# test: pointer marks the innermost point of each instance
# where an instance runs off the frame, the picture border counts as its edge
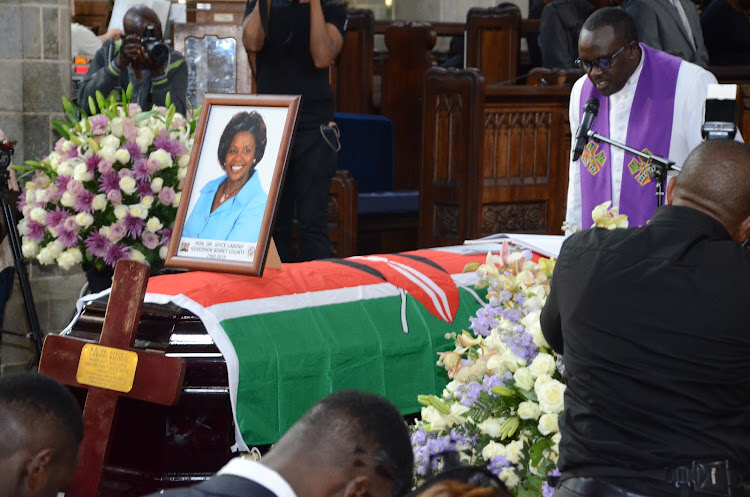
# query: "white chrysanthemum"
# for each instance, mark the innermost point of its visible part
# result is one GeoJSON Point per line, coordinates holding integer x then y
{"type": "Point", "coordinates": [70, 258]}
{"type": "Point", "coordinates": [122, 156]}
{"type": "Point", "coordinates": [49, 254]}
{"type": "Point", "coordinates": [29, 248]}
{"type": "Point", "coordinates": [38, 214]}
{"type": "Point", "coordinates": [137, 255]}
{"type": "Point", "coordinates": [127, 185]}
{"type": "Point", "coordinates": [99, 202]}
{"type": "Point", "coordinates": [157, 184]}
{"type": "Point", "coordinates": [84, 219]}
{"type": "Point", "coordinates": [138, 210]}
{"type": "Point", "coordinates": [121, 211]}
{"type": "Point", "coordinates": [153, 224]}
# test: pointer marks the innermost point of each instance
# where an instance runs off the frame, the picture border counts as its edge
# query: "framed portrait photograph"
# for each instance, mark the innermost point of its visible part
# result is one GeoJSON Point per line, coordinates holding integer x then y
{"type": "Point", "coordinates": [233, 183]}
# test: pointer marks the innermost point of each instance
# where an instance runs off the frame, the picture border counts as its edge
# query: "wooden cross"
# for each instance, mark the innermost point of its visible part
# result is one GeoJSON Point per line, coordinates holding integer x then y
{"type": "Point", "coordinates": [109, 371]}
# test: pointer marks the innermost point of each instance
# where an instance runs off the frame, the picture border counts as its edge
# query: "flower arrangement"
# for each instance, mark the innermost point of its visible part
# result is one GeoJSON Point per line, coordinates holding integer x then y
{"type": "Point", "coordinates": [501, 407]}
{"type": "Point", "coordinates": [111, 187]}
{"type": "Point", "coordinates": [505, 396]}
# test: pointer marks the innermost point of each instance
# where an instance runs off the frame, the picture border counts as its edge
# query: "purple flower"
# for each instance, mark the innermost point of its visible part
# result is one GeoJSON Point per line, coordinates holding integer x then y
{"type": "Point", "coordinates": [97, 244]}
{"type": "Point", "coordinates": [75, 187]}
{"type": "Point", "coordinates": [491, 381]}
{"type": "Point", "coordinates": [114, 196]}
{"type": "Point", "coordinates": [70, 225]}
{"type": "Point", "coordinates": [504, 295]}
{"type": "Point", "coordinates": [114, 253]}
{"type": "Point", "coordinates": [140, 167]}
{"type": "Point", "coordinates": [21, 203]}
{"type": "Point", "coordinates": [471, 395]}
{"type": "Point", "coordinates": [134, 225]}
{"type": "Point", "coordinates": [166, 195]}
{"type": "Point", "coordinates": [520, 343]}
{"type": "Point", "coordinates": [150, 240]}
{"type": "Point", "coordinates": [118, 230]}
{"type": "Point", "coordinates": [104, 166]}
{"type": "Point", "coordinates": [59, 145]}
{"type": "Point", "coordinates": [497, 464]}
{"type": "Point", "coordinates": [133, 149]}
{"type": "Point", "coordinates": [419, 437]}
{"type": "Point", "coordinates": [519, 298]}
{"type": "Point", "coordinates": [484, 321]}
{"type": "Point", "coordinates": [83, 201]}
{"type": "Point", "coordinates": [51, 195]}
{"type": "Point", "coordinates": [165, 142]}
{"type": "Point", "coordinates": [134, 109]}
{"type": "Point", "coordinates": [92, 162]}
{"type": "Point", "coordinates": [73, 152]}
{"type": "Point", "coordinates": [124, 172]}
{"type": "Point", "coordinates": [152, 165]}
{"type": "Point", "coordinates": [144, 189]}
{"type": "Point", "coordinates": [62, 183]}
{"type": "Point", "coordinates": [130, 130]}
{"type": "Point", "coordinates": [99, 124]}
{"type": "Point", "coordinates": [35, 231]}
{"type": "Point", "coordinates": [55, 217]}
{"type": "Point", "coordinates": [109, 182]}
{"type": "Point", "coordinates": [67, 238]}
{"type": "Point", "coordinates": [166, 235]}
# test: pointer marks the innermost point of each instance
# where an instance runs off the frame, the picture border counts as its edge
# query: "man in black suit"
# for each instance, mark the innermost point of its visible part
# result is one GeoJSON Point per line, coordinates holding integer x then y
{"type": "Point", "coordinates": [349, 444]}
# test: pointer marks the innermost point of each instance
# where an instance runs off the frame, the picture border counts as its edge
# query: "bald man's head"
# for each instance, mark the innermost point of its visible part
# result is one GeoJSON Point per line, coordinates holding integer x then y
{"type": "Point", "coordinates": [138, 18]}
{"type": "Point", "coordinates": [716, 179]}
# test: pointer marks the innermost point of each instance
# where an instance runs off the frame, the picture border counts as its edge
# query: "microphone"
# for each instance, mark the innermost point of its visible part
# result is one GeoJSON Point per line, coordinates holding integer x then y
{"type": "Point", "coordinates": [590, 110]}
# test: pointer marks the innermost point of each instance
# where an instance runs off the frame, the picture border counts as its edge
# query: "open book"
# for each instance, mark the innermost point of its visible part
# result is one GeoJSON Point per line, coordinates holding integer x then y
{"type": "Point", "coordinates": [546, 245]}
{"type": "Point", "coordinates": [161, 7]}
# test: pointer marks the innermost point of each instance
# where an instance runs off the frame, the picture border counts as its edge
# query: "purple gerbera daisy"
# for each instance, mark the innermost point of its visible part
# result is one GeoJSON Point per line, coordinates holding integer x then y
{"type": "Point", "coordinates": [134, 225]}
{"type": "Point", "coordinates": [62, 183]}
{"type": "Point", "coordinates": [92, 162]}
{"type": "Point", "coordinates": [134, 150]}
{"type": "Point", "coordinates": [55, 217]}
{"type": "Point", "coordinates": [165, 142]}
{"type": "Point", "coordinates": [35, 231]}
{"type": "Point", "coordinates": [140, 168]}
{"type": "Point", "coordinates": [83, 201]}
{"type": "Point", "coordinates": [97, 244]}
{"type": "Point", "coordinates": [109, 182]}
{"type": "Point", "coordinates": [114, 253]}
{"type": "Point", "coordinates": [67, 238]}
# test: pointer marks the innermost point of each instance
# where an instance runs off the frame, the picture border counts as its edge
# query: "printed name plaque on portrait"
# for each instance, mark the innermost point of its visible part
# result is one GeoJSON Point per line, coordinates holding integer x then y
{"type": "Point", "coordinates": [105, 367]}
{"type": "Point", "coordinates": [233, 184]}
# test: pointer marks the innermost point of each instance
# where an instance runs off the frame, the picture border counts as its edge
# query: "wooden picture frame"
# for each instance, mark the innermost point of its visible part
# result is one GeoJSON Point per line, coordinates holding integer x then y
{"type": "Point", "coordinates": [217, 228]}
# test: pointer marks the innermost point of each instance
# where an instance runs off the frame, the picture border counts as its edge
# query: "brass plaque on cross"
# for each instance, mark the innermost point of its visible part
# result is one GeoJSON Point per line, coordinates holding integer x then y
{"type": "Point", "coordinates": [106, 367]}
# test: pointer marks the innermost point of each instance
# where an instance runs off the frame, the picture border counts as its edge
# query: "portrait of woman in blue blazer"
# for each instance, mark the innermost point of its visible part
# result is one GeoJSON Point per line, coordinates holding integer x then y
{"type": "Point", "coordinates": [231, 207]}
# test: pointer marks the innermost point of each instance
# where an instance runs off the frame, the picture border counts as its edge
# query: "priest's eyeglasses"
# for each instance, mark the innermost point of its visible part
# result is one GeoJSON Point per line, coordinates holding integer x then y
{"type": "Point", "coordinates": [603, 63]}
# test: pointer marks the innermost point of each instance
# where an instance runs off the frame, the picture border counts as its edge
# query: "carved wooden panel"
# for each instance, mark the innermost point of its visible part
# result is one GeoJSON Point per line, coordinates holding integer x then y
{"type": "Point", "coordinates": [354, 66]}
{"type": "Point", "coordinates": [528, 217]}
{"type": "Point", "coordinates": [493, 42]}
{"type": "Point", "coordinates": [409, 46]}
{"type": "Point", "coordinates": [446, 222]}
{"type": "Point", "coordinates": [342, 214]}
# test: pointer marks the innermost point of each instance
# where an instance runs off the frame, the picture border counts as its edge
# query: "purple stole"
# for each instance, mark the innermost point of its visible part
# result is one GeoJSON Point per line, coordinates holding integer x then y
{"type": "Point", "coordinates": [649, 128]}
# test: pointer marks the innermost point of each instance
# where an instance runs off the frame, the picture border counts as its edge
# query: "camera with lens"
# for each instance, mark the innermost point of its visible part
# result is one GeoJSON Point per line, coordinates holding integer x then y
{"type": "Point", "coordinates": [6, 153]}
{"type": "Point", "coordinates": [157, 51]}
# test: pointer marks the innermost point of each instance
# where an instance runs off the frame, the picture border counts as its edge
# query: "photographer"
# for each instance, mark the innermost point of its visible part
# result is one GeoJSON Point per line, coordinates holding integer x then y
{"type": "Point", "coordinates": [304, 38]}
{"type": "Point", "coordinates": [142, 59]}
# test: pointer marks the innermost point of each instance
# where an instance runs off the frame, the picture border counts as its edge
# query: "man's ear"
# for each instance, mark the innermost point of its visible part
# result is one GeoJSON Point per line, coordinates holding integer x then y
{"type": "Point", "coordinates": [743, 231]}
{"type": "Point", "coordinates": [37, 470]}
{"type": "Point", "coordinates": [358, 487]}
{"type": "Point", "coordinates": [670, 189]}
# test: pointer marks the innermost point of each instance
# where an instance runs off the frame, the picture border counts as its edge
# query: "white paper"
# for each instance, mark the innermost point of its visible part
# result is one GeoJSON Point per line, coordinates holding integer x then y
{"type": "Point", "coordinates": [546, 245]}
{"type": "Point", "coordinates": [161, 7]}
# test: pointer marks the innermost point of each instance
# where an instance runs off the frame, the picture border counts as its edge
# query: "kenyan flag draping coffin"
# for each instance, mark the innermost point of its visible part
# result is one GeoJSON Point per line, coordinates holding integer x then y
{"type": "Point", "coordinates": [374, 323]}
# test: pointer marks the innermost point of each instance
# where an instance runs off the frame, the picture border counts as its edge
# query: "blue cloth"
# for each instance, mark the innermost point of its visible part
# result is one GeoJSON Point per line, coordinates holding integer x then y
{"type": "Point", "coordinates": [236, 220]}
{"type": "Point", "coordinates": [367, 150]}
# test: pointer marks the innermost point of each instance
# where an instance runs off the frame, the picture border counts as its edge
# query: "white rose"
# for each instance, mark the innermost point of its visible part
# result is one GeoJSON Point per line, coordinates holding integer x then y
{"type": "Point", "coordinates": [108, 153]}
{"type": "Point", "coordinates": [122, 156]}
{"type": "Point", "coordinates": [143, 143]}
{"type": "Point", "coordinates": [436, 419]}
{"type": "Point", "coordinates": [512, 361]}
{"type": "Point", "coordinates": [162, 157]}
{"type": "Point", "coordinates": [65, 169]}
{"type": "Point", "coordinates": [54, 160]}
{"type": "Point", "coordinates": [137, 255]}
{"type": "Point", "coordinates": [492, 450]}
{"type": "Point", "coordinates": [176, 201]}
{"type": "Point", "coordinates": [157, 184]}
{"type": "Point", "coordinates": [183, 161]}
{"type": "Point", "coordinates": [99, 202]}
{"type": "Point", "coordinates": [458, 410]}
{"type": "Point", "coordinates": [509, 477]}
{"type": "Point", "coordinates": [496, 364]}
{"type": "Point", "coordinates": [138, 210]}
{"type": "Point", "coordinates": [491, 426]}
{"type": "Point", "coordinates": [67, 146]}
{"type": "Point", "coordinates": [535, 330]}
{"type": "Point", "coordinates": [550, 396]}
{"type": "Point", "coordinates": [556, 439]}
{"type": "Point", "coordinates": [127, 184]}
{"type": "Point", "coordinates": [181, 173]}
{"type": "Point", "coordinates": [163, 253]}
{"type": "Point", "coordinates": [543, 364]}
{"type": "Point", "coordinates": [529, 410]}
{"type": "Point", "coordinates": [524, 379]}
{"type": "Point", "coordinates": [30, 248]}
{"type": "Point", "coordinates": [548, 424]}
{"type": "Point", "coordinates": [111, 142]}
{"type": "Point", "coordinates": [117, 125]}
{"type": "Point", "coordinates": [153, 224]}
{"type": "Point", "coordinates": [452, 386]}
{"type": "Point", "coordinates": [147, 201]}
{"type": "Point", "coordinates": [23, 226]}
{"type": "Point", "coordinates": [541, 381]}
{"type": "Point", "coordinates": [38, 214]}
{"type": "Point", "coordinates": [145, 132]}
{"type": "Point", "coordinates": [38, 195]}
{"type": "Point", "coordinates": [69, 258]}
{"type": "Point", "coordinates": [30, 193]}
{"type": "Point", "coordinates": [46, 256]}
{"type": "Point", "coordinates": [84, 219]}
{"type": "Point", "coordinates": [514, 452]}
{"type": "Point", "coordinates": [81, 173]}
{"type": "Point", "coordinates": [121, 211]}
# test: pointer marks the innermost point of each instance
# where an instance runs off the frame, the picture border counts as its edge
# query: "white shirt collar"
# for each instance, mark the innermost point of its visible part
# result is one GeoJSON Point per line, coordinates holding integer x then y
{"type": "Point", "coordinates": [632, 83]}
{"type": "Point", "coordinates": [257, 472]}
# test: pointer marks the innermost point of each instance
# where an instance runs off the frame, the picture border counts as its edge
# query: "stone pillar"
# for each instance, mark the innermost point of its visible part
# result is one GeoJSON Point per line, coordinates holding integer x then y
{"type": "Point", "coordinates": [445, 10]}
{"type": "Point", "coordinates": [34, 75]}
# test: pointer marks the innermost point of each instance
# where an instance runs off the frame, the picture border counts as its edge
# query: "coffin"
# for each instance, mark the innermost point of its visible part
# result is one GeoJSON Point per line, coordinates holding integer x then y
{"type": "Point", "coordinates": [375, 323]}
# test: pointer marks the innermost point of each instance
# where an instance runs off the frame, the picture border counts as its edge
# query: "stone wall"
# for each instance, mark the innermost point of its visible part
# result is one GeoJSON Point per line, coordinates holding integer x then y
{"type": "Point", "coordinates": [34, 74]}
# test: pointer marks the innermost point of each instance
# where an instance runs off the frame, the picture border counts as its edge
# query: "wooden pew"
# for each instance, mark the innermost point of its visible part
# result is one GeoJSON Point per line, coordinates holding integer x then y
{"type": "Point", "coordinates": [94, 15]}
{"type": "Point", "coordinates": [494, 159]}
{"type": "Point", "coordinates": [739, 75]}
{"type": "Point", "coordinates": [493, 42]}
{"type": "Point", "coordinates": [355, 64]}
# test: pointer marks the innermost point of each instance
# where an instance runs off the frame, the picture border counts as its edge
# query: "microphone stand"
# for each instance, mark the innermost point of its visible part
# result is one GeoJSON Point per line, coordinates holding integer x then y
{"type": "Point", "coordinates": [657, 166]}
